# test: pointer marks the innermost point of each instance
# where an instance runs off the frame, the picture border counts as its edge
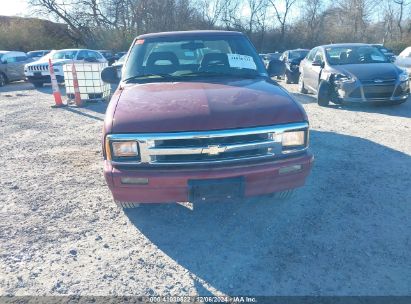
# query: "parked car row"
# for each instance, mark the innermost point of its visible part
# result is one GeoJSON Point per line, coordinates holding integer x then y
{"type": "Point", "coordinates": [33, 66]}
{"type": "Point", "coordinates": [342, 73]}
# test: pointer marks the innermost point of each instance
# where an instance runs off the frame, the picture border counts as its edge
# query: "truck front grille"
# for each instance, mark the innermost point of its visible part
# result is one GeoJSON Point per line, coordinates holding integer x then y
{"type": "Point", "coordinates": [203, 147]}
{"type": "Point", "coordinates": [38, 68]}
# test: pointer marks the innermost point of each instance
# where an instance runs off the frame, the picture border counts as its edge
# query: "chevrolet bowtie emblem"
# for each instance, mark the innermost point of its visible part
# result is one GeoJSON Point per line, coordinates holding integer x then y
{"type": "Point", "coordinates": [213, 150]}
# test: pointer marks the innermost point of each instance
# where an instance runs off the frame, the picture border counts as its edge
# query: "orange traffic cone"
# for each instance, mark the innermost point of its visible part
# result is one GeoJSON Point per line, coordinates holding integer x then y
{"type": "Point", "coordinates": [77, 96]}
{"type": "Point", "coordinates": [55, 87]}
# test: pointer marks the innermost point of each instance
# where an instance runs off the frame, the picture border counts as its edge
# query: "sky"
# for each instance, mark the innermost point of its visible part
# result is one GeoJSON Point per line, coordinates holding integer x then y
{"type": "Point", "coordinates": [20, 8]}
{"type": "Point", "coordinates": [13, 8]}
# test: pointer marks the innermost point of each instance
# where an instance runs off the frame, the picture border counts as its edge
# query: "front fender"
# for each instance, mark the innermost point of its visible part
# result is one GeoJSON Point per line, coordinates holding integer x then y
{"type": "Point", "coordinates": [325, 75]}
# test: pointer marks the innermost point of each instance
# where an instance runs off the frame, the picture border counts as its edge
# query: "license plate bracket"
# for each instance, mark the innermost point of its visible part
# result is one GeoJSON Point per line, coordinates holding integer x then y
{"type": "Point", "coordinates": [212, 190]}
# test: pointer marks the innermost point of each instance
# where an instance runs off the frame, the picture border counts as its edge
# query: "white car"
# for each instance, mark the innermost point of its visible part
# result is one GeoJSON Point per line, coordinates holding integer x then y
{"type": "Point", "coordinates": [38, 72]}
{"type": "Point", "coordinates": [403, 60]}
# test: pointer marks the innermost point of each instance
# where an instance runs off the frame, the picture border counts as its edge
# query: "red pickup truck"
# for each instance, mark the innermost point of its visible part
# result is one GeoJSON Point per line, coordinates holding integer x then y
{"type": "Point", "coordinates": [197, 118]}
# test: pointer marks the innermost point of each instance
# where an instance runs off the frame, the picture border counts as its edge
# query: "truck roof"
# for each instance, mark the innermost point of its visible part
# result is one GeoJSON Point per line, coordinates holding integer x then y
{"type": "Point", "coordinates": [189, 33]}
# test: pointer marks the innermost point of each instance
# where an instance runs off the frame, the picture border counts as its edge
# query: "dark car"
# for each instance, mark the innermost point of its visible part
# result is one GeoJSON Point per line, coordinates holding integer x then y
{"type": "Point", "coordinates": [196, 118]}
{"type": "Point", "coordinates": [352, 73]}
{"type": "Point", "coordinates": [35, 55]}
{"type": "Point", "coordinates": [270, 56]}
{"type": "Point", "coordinates": [118, 55]}
{"type": "Point", "coordinates": [386, 51]}
{"type": "Point", "coordinates": [108, 55]}
{"type": "Point", "coordinates": [291, 60]}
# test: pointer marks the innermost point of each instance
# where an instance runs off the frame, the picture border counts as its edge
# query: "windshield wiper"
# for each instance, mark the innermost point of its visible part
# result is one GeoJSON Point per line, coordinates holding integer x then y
{"type": "Point", "coordinates": [136, 77]}
{"type": "Point", "coordinates": [216, 74]}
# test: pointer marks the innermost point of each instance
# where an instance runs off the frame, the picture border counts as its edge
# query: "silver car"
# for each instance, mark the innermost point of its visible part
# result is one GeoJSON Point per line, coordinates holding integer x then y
{"type": "Point", "coordinates": [352, 73]}
{"type": "Point", "coordinates": [12, 66]}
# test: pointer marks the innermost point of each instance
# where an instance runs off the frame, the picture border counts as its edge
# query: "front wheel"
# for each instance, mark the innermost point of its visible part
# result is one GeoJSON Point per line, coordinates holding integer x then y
{"type": "Point", "coordinates": [3, 79]}
{"type": "Point", "coordinates": [127, 205]}
{"type": "Point", "coordinates": [38, 84]}
{"type": "Point", "coordinates": [396, 103]}
{"type": "Point", "coordinates": [301, 87]}
{"type": "Point", "coordinates": [287, 78]}
{"type": "Point", "coordinates": [284, 195]}
{"type": "Point", "coordinates": [323, 96]}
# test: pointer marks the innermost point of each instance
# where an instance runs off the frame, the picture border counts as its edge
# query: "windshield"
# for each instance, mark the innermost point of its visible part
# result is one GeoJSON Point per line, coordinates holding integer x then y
{"type": "Point", "coordinates": [354, 55]}
{"type": "Point", "coordinates": [64, 55]}
{"type": "Point", "coordinates": [178, 57]}
{"type": "Point", "coordinates": [35, 54]}
{"type": "Point", "coordinates": [297, 54]}
{"type": "Point", "coordinates": [122, 59]}
{"type": "Point", "coordinates": [106, 54]}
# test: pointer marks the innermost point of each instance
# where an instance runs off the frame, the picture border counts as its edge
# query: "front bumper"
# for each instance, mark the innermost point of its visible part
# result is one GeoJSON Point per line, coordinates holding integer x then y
{"type": "Point", "coordinates": [376, 100]}
{"type": "Point", "coordinates": [44, 78]}
{"type": "Point", "coordinates": [368, 93]}
{"type": "Point", "coordinates": [172, 185]}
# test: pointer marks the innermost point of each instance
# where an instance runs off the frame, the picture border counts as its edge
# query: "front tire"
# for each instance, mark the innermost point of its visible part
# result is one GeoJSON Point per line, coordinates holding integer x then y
{"type": "Point", "coordinates": [287, 79]}
{"type": "Point", "coordinates": [127, 205]}
{"type": "Point", "coordinates": [301, 87]}
{"type": "Point", "coordinates": [38, 84]}
{"type": "Point", "coordinates": [284, 195]}
{"type": "Point", "coordinates": [396, 103]}
{"type": "Point", "coordinates": [323, 96]}
{"type": "Point", "coordinates": [3, 80]}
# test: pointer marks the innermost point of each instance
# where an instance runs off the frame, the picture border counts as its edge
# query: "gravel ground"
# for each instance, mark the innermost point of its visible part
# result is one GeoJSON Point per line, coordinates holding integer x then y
{"type": "Point", "coordinates": [347, 232]}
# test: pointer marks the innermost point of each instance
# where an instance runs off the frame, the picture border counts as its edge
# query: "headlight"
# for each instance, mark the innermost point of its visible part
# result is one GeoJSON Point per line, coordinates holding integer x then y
{"type": "Point", "coordinates": [403, 76]}
{"type": "Point", "coordinates": [341, 78]}
{"type": "Point", "coordinates": [293, 139]}
{"type": "Point", "coordinates": [124, 149]}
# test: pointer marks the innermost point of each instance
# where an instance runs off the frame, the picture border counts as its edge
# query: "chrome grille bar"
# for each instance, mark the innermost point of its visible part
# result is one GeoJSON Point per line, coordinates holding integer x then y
{"type": "Point", "coordinates": [206, 150]}
{"type": "Point", "coordinates": [215, 148]}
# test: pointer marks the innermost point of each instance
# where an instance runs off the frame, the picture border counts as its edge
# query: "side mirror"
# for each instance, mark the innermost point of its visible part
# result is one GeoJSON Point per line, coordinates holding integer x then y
{"type": "Point", "coordinates": [318, 63]}
{"type": "Point", "coordinates": [110, 75]}
{"type": "Point", "coordinates": [392, 59]}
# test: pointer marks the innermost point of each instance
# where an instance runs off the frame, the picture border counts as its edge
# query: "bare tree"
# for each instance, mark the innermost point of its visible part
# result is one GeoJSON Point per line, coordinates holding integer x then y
{"type": "Point", "coordinates": [312, 18]}
{"type": "Point", "coordinates": [282, 15]}
{"type": "Point", "coordinates": [388, 21]}
{"type": "Point", "coordinates": [402, 4]}
{"type": "Point", "coordinates": [257, 10]}
{"type": "Point", "coordinates": [231, 15]}
{"type": "Point", "coordinates": [212, 11]}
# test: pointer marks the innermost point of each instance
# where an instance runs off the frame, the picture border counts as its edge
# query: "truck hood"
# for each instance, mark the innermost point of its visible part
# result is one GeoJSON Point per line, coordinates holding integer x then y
{"type": "Point", "coordinates": [201, 106]}
{"type": "Point", "coordinates": [370, 71]}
